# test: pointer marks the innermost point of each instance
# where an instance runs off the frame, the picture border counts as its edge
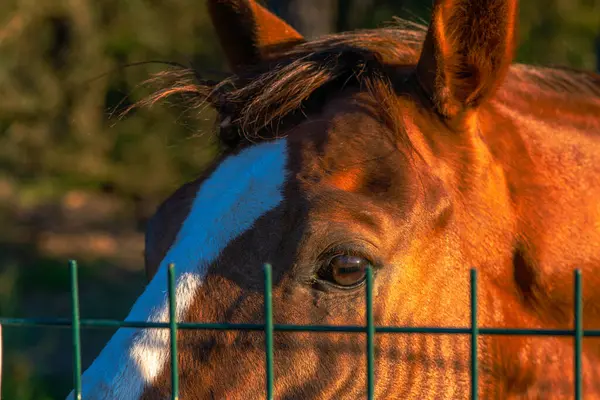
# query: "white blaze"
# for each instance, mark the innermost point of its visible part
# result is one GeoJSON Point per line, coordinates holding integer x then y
{"type": "Point", "coordinates": [242, 189]}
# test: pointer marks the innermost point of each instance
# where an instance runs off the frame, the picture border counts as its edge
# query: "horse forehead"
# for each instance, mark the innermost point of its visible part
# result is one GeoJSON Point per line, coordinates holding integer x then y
{"type": "Point", "coordinates": [345, 133]}
{"type": "Point", "coordinates": [356, 154]}
{"type": "Point", "coordinates": [239, 188]}
{"type": "Point", "coordinates": [344, 148]}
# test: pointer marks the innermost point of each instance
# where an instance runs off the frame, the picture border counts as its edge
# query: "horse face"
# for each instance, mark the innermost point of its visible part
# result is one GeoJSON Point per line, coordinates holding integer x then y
{"type": "Point", "coordinates": [320, 206]}
{"type": "Point", "coordinates": [350, 153]}
{"type": "Point", "coordinates": [356, 182]}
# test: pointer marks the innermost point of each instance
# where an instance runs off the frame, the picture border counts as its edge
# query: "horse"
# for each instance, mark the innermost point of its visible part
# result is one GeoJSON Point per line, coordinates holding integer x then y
{"type": "Point", "coordinates": [415, 152]}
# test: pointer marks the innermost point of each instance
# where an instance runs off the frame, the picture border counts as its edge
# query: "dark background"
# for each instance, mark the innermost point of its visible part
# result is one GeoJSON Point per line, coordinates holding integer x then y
{"type": "Point", "coordinates": [77, 181]}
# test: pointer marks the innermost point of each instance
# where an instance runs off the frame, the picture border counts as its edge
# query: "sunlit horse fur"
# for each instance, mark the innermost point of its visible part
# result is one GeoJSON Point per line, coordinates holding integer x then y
{"type": "Point", "coordinates": [423, 152]}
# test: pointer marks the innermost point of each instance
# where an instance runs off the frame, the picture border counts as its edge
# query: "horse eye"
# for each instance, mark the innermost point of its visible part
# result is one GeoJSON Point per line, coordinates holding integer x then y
{"type": "Point", "coordinates": [346, 270]}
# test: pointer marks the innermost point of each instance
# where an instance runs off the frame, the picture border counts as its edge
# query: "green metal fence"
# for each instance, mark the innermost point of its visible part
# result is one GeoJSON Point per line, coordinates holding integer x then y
{"type": "Point", "coordinates": [76, 323]}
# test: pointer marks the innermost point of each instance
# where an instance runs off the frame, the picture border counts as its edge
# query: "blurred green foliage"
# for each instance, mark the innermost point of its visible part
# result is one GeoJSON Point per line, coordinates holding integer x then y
{"type": "Point", "coordinates": [63, 75]}
{"type": "Point", "coordinates": [66, 74]}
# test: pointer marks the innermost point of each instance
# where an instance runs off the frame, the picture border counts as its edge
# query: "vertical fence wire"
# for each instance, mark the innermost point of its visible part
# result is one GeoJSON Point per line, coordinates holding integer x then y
{"type": "Point", "coordinates": [75, 330]}
{"type": "Point", "coordinates": [370, 337]}
{"type": "Point", "coordinates": [173, 331]}
{"type": "Point", "coordinates": [474, 335]}
{"type": "Point", "coordinates": [578, 339]}
{"type": "Point", "coordinates": [269, 330]}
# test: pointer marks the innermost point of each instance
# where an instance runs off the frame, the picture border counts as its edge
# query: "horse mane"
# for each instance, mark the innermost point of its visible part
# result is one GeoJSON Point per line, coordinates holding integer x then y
{"type": "Point", "coordinates": [261, 98]}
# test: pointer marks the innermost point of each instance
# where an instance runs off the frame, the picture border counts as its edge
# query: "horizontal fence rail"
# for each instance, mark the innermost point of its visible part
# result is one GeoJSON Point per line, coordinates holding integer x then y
{"type": "Point", "coordinates": [269, 327]}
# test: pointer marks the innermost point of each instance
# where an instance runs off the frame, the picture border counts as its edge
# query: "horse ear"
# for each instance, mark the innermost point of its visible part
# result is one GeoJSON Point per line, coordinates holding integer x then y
{"type": "Point", "coordinates": [467, 52]}
{"type": "Point", "coordinates": [248, 32]}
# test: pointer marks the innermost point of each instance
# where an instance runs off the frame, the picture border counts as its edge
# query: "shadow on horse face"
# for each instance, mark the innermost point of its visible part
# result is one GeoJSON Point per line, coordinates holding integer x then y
{"type": "Point", "coordinates": [421, 153]}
